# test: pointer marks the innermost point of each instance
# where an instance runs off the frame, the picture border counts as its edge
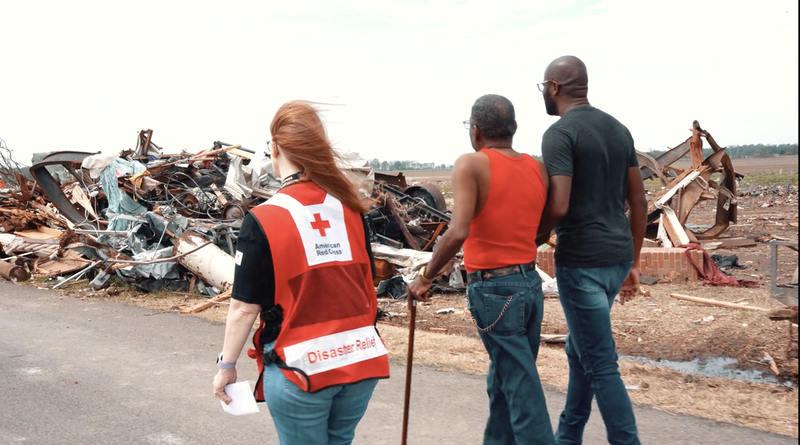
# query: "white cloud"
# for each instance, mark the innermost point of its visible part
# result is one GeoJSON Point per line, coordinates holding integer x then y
{"type": "Point", "coordinates": [89, 75]}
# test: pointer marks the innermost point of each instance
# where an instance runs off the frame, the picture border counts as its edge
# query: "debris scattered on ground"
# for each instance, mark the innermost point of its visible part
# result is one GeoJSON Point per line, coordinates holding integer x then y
{"type": "Point", "coordinates": [683, 189]}
{"type": "Point", "coordinates": [710, 302]}
{"type": "Point", "coordinates": [171, 221]}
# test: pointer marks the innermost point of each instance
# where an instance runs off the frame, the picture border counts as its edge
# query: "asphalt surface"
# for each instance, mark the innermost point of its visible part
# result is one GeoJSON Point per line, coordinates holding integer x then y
{"type": "Point", "coordinates": [94, 372]}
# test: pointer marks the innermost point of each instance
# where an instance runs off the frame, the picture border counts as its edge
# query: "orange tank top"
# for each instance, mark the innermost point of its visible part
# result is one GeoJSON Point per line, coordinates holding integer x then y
{"type": "Point", "coordinates": [504, 232]}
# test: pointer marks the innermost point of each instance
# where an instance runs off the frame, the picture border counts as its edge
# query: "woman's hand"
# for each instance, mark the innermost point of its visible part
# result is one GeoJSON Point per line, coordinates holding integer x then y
{"type": "Point", "coordinates": [224, 378]}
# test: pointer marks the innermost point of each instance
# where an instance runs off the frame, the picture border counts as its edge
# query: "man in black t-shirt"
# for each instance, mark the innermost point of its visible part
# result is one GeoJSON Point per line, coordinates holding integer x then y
{"type": "Point", "coordinates": [593, 170]}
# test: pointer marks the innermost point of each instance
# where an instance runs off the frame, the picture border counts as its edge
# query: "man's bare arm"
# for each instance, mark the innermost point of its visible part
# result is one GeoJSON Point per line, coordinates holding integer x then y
{"type": "Point", "coordinates": [465, 198]}
{"type": "Point", "coordinates": [637, 202]}
{"type": "Point", "coordinates": [560, 188]}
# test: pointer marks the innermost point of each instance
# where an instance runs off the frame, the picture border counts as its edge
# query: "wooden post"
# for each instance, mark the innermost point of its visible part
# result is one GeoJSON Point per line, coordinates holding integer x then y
{"type": "Point", "coordinates": [718, 303]}
{"type": "Point", "coordinates": [13, 273]}
{"type": "Point", "coordinates": [412, 326]}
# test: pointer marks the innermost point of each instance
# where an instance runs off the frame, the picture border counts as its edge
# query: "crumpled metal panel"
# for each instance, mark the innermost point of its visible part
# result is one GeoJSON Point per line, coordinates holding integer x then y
{"type": "Point", "coordinates": [71, 160]}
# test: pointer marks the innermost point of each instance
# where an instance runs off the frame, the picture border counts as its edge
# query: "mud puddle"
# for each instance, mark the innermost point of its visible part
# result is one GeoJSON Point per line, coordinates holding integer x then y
{"type": "Point", "coordinates": [716, 367]}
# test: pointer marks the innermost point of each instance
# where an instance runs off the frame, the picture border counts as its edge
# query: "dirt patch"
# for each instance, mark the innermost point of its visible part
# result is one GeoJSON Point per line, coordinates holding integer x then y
{"type": "Point", "coordinates": [656, 327]}
{"type": "Point", "coordinates": [761, 406]}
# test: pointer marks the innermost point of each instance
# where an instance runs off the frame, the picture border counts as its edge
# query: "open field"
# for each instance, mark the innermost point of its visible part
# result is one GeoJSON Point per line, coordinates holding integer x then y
{"type": "Point", "coordinates": [779, 165]}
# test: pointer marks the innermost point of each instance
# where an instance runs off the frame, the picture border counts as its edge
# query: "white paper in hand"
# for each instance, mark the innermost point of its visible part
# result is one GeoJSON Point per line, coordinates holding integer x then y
{"type": "Point", "coordinates": [243, 402]}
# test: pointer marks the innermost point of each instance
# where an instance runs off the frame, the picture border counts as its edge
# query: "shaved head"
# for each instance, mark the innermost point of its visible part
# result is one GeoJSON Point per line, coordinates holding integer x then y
{"type": "Point", "coordinates": [570, 73]}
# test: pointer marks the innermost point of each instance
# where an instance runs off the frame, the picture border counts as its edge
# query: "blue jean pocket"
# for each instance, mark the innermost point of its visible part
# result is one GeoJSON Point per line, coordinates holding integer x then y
{"type": "Point", "coordinates": [498, 314]}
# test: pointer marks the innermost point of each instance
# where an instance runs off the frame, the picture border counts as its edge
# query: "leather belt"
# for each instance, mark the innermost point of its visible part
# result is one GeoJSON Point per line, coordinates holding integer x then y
{"type": "Point", "coordinates": [487, 274]}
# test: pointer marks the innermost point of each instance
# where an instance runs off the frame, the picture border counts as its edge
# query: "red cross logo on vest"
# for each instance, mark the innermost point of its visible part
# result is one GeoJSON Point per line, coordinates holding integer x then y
{"type": "Point", "coordinates": [320, 224]}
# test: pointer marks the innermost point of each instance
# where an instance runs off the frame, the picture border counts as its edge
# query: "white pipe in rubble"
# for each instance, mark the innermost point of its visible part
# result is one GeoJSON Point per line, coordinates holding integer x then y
{"type": "Point", "coordinates": [210, 263]}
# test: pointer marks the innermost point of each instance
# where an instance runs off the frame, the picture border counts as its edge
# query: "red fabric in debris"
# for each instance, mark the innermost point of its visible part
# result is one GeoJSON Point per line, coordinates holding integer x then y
{"type": "Point", "coordinates": [711, 273]}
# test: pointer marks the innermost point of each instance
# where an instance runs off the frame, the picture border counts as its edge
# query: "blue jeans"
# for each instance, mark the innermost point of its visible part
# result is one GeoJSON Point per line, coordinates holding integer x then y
{"type": "Point", "coordinates": [587, 295]}
{"type": "Point", "coordinates": [517, 409]}
{"type": "Point", "coordinates": [326, 417]}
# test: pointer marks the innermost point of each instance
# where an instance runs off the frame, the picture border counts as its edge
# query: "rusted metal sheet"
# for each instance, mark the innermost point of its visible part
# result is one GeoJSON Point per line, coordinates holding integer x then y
{"type": "Point", "coordinates": [398, 180]}
{"type": "Point", "coordinates": [71, 160]}
{"type": "Point", "coordinates": [104, 252]}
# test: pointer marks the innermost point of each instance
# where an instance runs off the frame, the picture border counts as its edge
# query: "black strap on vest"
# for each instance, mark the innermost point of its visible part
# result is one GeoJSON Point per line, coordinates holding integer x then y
{"type": "Point", "coordinates": [271, 321]}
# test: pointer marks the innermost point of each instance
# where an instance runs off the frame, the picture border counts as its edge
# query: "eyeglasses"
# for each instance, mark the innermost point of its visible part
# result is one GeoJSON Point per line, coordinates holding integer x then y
{"type": "Point", "coordinates": [468, 124]}
{"type": "Point", "coordinates": [540, 85]}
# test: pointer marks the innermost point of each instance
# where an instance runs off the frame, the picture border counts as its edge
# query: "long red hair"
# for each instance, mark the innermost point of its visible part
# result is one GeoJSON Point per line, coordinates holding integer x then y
{"type": "Point", "coordinates": [300, 136]}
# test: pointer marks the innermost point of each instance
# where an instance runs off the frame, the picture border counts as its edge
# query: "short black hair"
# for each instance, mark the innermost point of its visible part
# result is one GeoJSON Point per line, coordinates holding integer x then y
{"type": "Point", "coordinates": [494, 116]}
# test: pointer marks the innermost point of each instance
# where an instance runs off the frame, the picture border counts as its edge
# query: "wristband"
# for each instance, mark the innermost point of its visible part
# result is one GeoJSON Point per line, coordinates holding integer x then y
{"type": "Point", "coordinates": [425, 280]}
{"type": "Point", "coordinates": [224, 365]}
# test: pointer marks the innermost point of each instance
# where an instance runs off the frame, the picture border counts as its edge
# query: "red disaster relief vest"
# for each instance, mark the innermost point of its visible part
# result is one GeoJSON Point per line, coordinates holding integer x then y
{"type": "Point", "coordinates": [323, 282]}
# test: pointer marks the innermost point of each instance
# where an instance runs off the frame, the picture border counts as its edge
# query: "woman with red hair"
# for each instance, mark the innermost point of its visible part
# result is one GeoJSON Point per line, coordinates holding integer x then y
{"type": "Point", "coordinates": [304, 264]}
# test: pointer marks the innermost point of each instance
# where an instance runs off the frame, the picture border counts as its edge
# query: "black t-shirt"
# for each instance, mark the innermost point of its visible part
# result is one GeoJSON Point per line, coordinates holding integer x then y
{"type": "Point", "coordinates": [595, 150]}
{"type": "Point", "coordinates": [254, 278]}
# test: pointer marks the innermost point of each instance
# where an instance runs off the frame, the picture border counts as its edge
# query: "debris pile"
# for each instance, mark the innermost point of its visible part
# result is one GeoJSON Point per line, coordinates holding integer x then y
{"type": "Point", "coordinates": [709, 179]}
{"type": "Point", "coordinates": [171, 221]}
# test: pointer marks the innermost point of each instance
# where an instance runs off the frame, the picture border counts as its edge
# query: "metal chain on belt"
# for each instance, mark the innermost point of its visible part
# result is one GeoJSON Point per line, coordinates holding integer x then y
{"type": "Point", "coordinates": [489, 328]}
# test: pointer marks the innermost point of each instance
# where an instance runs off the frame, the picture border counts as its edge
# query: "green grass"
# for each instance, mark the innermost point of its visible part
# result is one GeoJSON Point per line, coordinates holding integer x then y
{"type": "Point", "coordinates": [652, 185]}
{"type": "Point", "coordinates": [769, 179]}
{"type": "Point", "coordinates": [764, 180]}
{"type": "Point", "coordinates": [446, 188]}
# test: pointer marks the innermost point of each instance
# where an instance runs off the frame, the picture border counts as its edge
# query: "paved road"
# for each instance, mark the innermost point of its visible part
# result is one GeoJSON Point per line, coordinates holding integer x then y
{"type": "Point", "coordinates": [94, 372]}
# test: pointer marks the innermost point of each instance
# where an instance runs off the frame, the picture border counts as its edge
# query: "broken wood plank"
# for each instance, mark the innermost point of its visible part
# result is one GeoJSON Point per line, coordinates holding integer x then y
{"type": "Point", "coordinates": [728, 243]}
{"type": "Point", "coordinates": [71, 262]}
{"type": "Point", "coordinates": [220, 197]}
{"type": "Point", "coordinates": [403, 229]}
{"type": "Point", "coordinates": [553, 338]}
{"type": "Point", "coordinates": [772, 365]}
{"type": "Point", "coordinates": [213, 301]}
{"type": "Point", "coordinates": [784, 313]}
{"type": "Point", "coordinates": [241, 153]}
{"type": "Point", "coordinates": [192, 282]}
{"type": "Point", "coordinates": [436, 233]}
{"type": "Point", "coordinates": [710, 302]}
{"type": "Point", "coordinates": [650, 243]}
{"type": "Point", "coordinates": [208, 155]}
{"type": "Point", "coordinates": [50, 232]}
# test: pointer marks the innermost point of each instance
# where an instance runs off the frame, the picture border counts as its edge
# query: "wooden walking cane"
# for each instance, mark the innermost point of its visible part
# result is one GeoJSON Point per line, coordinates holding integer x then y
{"type": "Point", "coordinates": [409, 363]}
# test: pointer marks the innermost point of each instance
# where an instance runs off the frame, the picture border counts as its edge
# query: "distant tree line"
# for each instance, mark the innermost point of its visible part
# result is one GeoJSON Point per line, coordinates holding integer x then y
{"type": "Point", "coordinates": [379, 165]}
{"type": "Point", "coordinates": [747, 151]}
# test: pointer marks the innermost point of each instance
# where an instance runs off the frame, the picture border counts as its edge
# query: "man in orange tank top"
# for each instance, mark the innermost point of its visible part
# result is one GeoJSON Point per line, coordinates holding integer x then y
{"type": "Point", "coordinates": [499, 198]}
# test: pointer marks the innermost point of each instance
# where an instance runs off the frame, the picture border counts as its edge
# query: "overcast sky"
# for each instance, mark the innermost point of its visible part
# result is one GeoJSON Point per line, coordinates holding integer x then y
{"type": "Point", "coordinates": [400, 76]}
